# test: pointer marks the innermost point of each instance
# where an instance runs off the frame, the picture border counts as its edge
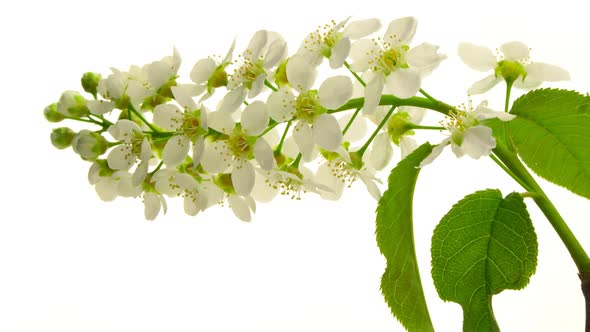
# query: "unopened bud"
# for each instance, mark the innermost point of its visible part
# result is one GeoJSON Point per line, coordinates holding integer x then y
{"type": "Point", "coordinates": [71, 103]}
{"type": "Point", "coordinates": [51, 114]}
{"type": "Point", "coordinates": [90, 82]}
{"type": "Point", "coordinates": [62, 137]}
{"type": "Point", "coordinates": [89, 145]}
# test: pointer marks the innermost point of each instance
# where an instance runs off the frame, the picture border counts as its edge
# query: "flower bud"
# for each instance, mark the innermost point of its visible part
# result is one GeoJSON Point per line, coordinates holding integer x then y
{"type": "Point", "coordinates": [62, 137]}
{"type": "Point", "coordinates": [51, 114]}
{"type": "Point", "coordinates": [90, 82]}
{"type": "Point", "coordinates": [89, 145]}
{"type": "Point", "coordinates": [71, 103]}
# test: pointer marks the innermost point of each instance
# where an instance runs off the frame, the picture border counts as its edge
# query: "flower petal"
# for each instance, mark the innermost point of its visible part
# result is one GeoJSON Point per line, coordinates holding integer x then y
{"type": "Point", "coordinates": [99, 107]}
{"type": "Point", "coordinates": [407, 145]}
{"type": "Point", "coordinates": [120, 157]}
{"type": "Point", "coordinates": [401, 31]}
{"type": "Point", "coordinates": [381, 151]}
{"type": "Point", "coordinates": [175, 150]}
{"type": "Point", "coordinates": [277, 50]}
{"type": "Point", "coordinates": [281, 105]}
{"type": "Point", "coordinates": [300, 73]}
{"type": "Point", "coordinates": [256, 44]}
{"type": "Point", "coordinates": [335, 91]}
{"type": "Point", "coordinates": [436, 151]}
{"type": "Point", "coordinates": [403, 83]}
{"type": "Point", "coordinates": [198, 147]}
{"type": "Point", "coordinates": [325, 176]}
{"type": "Point", "coordinates": [357, 129]}
{"type": "Point", "coordinates": [168, 117]}
{"type": "Point", "coordinates": [239, 207]}
{"type": "Point", "coordinates": [215, 156]}
{"type": "Point", "coordinates": [424, 57]}
{"type": "Point", "coordinates": [484, 85]}
{"type": "Point", "coordinates": [152, 205]}
{"type": "Point", "coordinates": [477, 57]}
{"type": "Point", "coordinates": [326, 132]}
{"type": "Point", "coordinates": [263, 154]}
{"type": "Point", "coordinates": [254, 118]}
{"type": "Point", "coordinates": [106, 189]}
{"type": "Point", "coordinates": [373, 92]}
{"type": "Point", "coordinates": [514, 50]}
{"type": "Point", "coordinates": [221, 121]}
{"type": "Point", "coordinates": [478, 141]}
{"type": "Point", "coordinates": [538, 71]}
{"type": "Point", "coordinates": [202, 70]}
{"type": "Point", "coordinates": [361, 28]}
{"type": "Point", "coordinates": [232, 100]}
{"type": "Point", "coordinates": [257, 86]}
{"type": "Point", "coordinates": [242, 177]}
{"type": "Point", "coordinates": [361, 55]}
{"type": "Point", "coordinates": [340, 52]}
{"type": "Point", "coordinates": [183, 93]}
{"type": "Point", "coordinates": [304, 139]}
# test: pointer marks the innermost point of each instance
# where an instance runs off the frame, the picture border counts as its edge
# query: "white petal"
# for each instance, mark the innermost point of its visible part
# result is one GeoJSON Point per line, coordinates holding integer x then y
{"type": "Point", "coordinates": [254, 118]}
{"type": "Point", "coordinates": [326, 132]}
{"type": "Point", "coordinates": [478, 141]}
{"type": "Point", "coordinates": [191, 206]}
{"type": "Point", "coordinates": [277, 51]}
{"type": "Point", "coordinates": [125, 186]}
{"type": "Point", "coordinates": [424, 56]}
{"type": "Point", "coordinates": [215, 157]}
{"type": "Point", "coordinates": [527, 83]}
{"type": "Point", "coordinates": [401, 31]}
{"type": "Point", "coordinates": [263, 154]}
{"type": "Point", "coordinates": [100, 107]}
{"type": "Point", "coordinates": [120, 157]}
{"type": "Point", "coordinates": [403, 83]}
{"type": "Point", "coordinates": [407, 145]}
{"type": "Point", "coordinates": [140, 174]}
{"type": "Point", "coordinates": [484, 85]}
{"type": "Point", "coordinates": [281, 105]}
{"type": "Point", "coordinates": [515, 50]}
{"type": "Point", "coordinates": [232, 100]}
{"type": "Point", "coordinates": [106, 188]}
{"type": "Point", "coordinates": [242, 177]}
{"type": "Point", "coordinates": [360, 54]}
{"type": "Point", "coordinates": [198, 150]}
{"type": "Point", "coordinates": [176, 150]}
{"type": "Point", "coordinates": [436, 151]}
{"type": "Point", "coordinates": [239, 207]}
{"type": "Point", "coordinates": [257, 86]}
{"type": "Point", "coordinates": [152, 205]}
{"type": "Point", "coordinates": [325, 176]}
{"type": "Point", "coordinates": [362, 28]}
{"type": "Point", "coordinates": [482, 112]}
{"type": "Point", "coordinates": [340, 52]}
{"type": "Point", "coordinates": [373, 92]}
{"type": "Point", "coordinates": [300, 73]}
{"type": "Point", "coordinates": [202, 70]}
{"type": "Point", "coordinates": [372, 188]}
{"type": "Point", "coordinates": [221, 121]}
{"type": "Point", "coordinates": [538, 71]}
{"type": "Point", "coordinates": [477, 57]}
{"type": "Point", "coordinates": [381, 151]}
{"type": "Point", "coordinates": [168, 117]}
{"type": "Point", "coordinates": [183, 93]}
{"type": "Point", "coordinates": [256, 44]}
{"type": "Point", "coordinates": [158, 73]}
{"type": "Point", "coordinates": [304, 139]}
{"type": "Point", "coordinates": [229, 55]}
{"type": "Point", "coordinates": [357, 129]}
{"type": "Point", "coordinates": [263, 191]}
{"type": "Point", "coordinates": [124, 130]}
{"type": "Point", "coordinates": [335, 91]}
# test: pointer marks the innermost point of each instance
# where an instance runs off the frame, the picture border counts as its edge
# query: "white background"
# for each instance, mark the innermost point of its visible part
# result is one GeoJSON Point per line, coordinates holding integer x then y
{"type": "Point", "coordinates": [69, 262]}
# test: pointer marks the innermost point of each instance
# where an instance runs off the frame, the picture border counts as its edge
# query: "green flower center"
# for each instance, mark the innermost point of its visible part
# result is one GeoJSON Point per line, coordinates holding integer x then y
{"type": "Point", "coordinates": [510, 70]}
{"type": "Point", "coordinates": [191, 124]}
{"type": "Point", "coordinates": [390, 58]}
{"type": "Point", "coordinates": [307, 106]}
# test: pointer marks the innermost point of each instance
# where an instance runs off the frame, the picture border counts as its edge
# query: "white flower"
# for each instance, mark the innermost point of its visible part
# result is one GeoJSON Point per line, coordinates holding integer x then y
{"type": "Point", "coordinates": [393, 65]}
{"type": "Point", "coordinates": [467, 135]}
{"type": "Point", "coordinates": [209, 74]}
{"type": "Point", "coordinates": [340, 172]}
{"type": "Point", "coordinates": [287, 181]}
{"type": "Point", "coordinates": [153, 203]}
{"type": "Point", "coordinates": [135, 146]}
{"type": "Point", "coordinates": [190, 126]}
{"type": "Point", "coordinates": [333, 41]}
{"type": "Point", "coordinates": [309, 109]}
{"type": "Point", "coordinates": [112, 184]}
{"type": "Point", "coordinates": [241, 147]}
{"type": "Point", "coordinates": [512, 65]}
{"type": "Point", "coordinates": [265, 50]}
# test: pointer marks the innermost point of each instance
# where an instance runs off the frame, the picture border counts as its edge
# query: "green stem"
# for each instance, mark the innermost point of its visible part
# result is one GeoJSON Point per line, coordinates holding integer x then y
{"type": "Point", "coordinates": [358, 78]}
{"type": "Point", "coordinates": [579, 255]}
{"type": "Point", "coordinates": [84, 120]}
{"type": "Point", "coordinates": [362, 150]}
{"type": "Point", "coordinates": [280, 146]}
{"type": "Point", "coordinates": [417, 126]}
{"type": "Point", "coordinates": [390, 100]}
{"type": "Point", "coordinates": [350, 121]}
{"type": "Point", "coordinates": [270, 86]}
{"type": "Point", "coordinates": [508, 89]}
{"type": "Point", "coordinates": [431, 98]}
{"type": "Point", "coordinates": [134, 111]}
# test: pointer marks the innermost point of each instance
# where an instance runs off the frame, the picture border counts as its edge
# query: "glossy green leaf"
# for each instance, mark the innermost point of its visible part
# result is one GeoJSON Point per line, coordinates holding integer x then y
{"type": "Point", "coordinates": [484, 245]}
{"type": "Point", "coordinates": [400, 284]}
{"type": "Point", "coordinates": [552, 135]}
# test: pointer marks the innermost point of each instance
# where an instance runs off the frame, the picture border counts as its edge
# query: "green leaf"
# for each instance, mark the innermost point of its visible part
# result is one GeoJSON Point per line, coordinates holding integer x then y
{"type": "Point", "coordinates": [400, 284]}
{"type": "Point", "coordinates": [484, 245]}
{"type": "Point", "coordinates": [552, 135]}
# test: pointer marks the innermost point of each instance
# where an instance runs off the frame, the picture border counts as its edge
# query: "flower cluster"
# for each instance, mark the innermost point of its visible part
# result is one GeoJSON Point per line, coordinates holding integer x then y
{"type": "Point", "coordinates": [251, 126]}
